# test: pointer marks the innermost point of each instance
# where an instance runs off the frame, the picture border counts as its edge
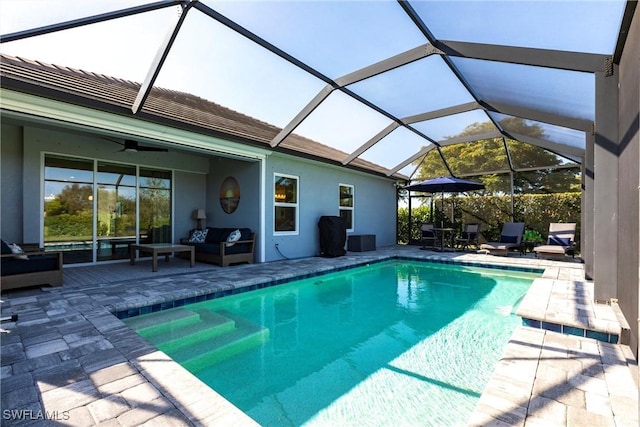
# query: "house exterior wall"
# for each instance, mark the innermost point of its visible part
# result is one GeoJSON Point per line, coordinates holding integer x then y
{"type": "Point", "coordinates": [628, 261]}
{"type": "Point", "coordinates": [197, 182]}
{"type": "Point", "coordinates": [22, 151]}
{"type": "Point", "coordinates": [248, 211]}
{"type": "Point", "coordinates": [10, 179]}
{"type": "Point", "coordinates": [375, 205]}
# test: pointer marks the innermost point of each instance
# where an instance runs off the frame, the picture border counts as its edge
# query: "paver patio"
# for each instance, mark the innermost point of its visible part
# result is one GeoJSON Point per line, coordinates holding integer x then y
{"type": "Point", "coordinates": [68, 358]}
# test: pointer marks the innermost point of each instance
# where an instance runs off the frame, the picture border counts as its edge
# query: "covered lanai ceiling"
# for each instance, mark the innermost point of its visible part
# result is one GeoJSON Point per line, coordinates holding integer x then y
{"type": "Point", "coordinates": [382, 81]}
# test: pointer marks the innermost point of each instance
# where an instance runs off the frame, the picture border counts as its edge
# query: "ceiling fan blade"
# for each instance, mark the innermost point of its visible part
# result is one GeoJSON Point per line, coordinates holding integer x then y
{"type": "Point", "coordinates": [133, 146]}
{"type": "Point", "coordinates": [145, 148]}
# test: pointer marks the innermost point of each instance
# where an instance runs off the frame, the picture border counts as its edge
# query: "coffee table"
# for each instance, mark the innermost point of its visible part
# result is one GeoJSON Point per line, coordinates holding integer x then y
{"type": "Point", "coordinates": [160, 248]}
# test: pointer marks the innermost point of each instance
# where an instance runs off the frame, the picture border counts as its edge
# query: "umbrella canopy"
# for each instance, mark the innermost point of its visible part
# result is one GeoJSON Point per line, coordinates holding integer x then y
{"type": "Point", "coordinates": [445, 184]}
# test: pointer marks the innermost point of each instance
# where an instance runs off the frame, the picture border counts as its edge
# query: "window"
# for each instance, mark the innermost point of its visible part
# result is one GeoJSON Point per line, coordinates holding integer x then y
{"type": "Point", "coordinates": [285, 193]}
{"type": "Point", "coordinates": [346, 205]}
{"type": "Point", "coordinates": [92, 209]}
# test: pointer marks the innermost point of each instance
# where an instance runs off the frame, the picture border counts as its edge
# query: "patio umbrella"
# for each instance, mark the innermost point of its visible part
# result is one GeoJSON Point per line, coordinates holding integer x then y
{"type": "Point", "coordinates": [445, 184]}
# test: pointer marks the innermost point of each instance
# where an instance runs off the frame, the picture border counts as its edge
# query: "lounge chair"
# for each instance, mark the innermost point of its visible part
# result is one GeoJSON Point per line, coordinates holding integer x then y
{"type": "Point", "coordinates": [561, 241]}
{"type": "Point", "coordinates": [469, 236]}
{"type": "Point", "coordinates": [428, 235]}
{"type": "Point", "coordinates": [510, 238]}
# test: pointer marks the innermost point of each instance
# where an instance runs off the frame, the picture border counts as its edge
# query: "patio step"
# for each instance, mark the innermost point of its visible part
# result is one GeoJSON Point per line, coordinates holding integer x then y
{"type": "Point", "coordinates": [152, 324]}
{"type": "Point", "coordinates": [247, 335]}
{"type": "Point", "coordinates": [211, 325]}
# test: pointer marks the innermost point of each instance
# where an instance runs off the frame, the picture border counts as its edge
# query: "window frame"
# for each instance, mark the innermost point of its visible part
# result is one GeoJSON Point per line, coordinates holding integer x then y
{"type": "Point", "coordinates": [295, 205]}
{"type": "Point", "coordinates": [351, 208]}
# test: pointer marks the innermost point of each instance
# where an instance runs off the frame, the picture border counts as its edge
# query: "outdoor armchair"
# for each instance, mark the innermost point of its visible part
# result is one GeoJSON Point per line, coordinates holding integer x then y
{"type": "Point", "coordinates": [469, 236]}
{"type": "Point", "coordinates": [428, 235]}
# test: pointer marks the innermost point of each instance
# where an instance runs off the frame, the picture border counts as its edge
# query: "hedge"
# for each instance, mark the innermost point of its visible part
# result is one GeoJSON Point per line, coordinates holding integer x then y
{"type": "Point", "coordinates": [537, 211]}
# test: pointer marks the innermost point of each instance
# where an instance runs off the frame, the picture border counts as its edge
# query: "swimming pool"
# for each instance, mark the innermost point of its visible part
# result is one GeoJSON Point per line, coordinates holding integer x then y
{"type": "Point", "coordinates": [398, 342]}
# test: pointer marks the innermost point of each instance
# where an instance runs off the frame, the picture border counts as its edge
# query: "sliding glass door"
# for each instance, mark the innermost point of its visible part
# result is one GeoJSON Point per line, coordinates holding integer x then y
{"type": "Point", "coordinates": [116, 217]}
{"type": "Point", "coordinates": [68, 207]}
{"type": "Point", "coordinates": [93, 209]}
{"type": "Point", "coordinates": [155, 206]}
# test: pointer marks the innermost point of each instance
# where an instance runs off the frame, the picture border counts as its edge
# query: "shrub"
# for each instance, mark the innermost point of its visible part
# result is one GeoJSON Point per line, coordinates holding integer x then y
{"type": "Point", "coordinates": [537, 211]}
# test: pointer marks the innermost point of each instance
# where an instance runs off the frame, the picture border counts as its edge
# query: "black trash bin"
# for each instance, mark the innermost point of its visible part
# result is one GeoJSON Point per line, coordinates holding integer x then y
{"type": "Point", "coordinates": [333, 236]}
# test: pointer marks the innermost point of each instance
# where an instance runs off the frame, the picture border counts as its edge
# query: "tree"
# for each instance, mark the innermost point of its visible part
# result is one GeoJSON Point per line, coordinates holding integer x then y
{"type": "Point", "coordinates": [73, 199]}
{"type": "Point", "coordinates": [489, 155]}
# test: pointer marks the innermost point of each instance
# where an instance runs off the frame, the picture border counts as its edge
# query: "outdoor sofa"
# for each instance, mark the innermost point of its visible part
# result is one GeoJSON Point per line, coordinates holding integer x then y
{"type": "Point", "coordinates": [222, 246]}
{"type": "Point", "coordinates": [27, 265]}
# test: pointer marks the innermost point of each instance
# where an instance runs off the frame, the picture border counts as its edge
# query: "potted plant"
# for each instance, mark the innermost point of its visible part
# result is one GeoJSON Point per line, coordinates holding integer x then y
{"type": "Point", "coordinates": [531, 238]}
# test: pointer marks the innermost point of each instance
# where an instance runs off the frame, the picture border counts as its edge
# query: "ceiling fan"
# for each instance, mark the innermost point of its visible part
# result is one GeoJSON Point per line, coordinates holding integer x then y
{"type": "Point", "coordinates": [132, 146]}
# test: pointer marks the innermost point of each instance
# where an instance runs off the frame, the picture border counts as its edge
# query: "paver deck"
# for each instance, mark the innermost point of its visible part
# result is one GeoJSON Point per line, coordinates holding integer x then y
{"type": "Point", "coordinates": [68, 358]}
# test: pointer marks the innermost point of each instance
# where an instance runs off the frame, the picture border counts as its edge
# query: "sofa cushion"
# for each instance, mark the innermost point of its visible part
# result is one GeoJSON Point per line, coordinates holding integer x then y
{"type": "Point", "coordinates": [6, 250]}
{"type": "Point", "coordinates": [219, 234]}
{"type": "Point", "coordinates": [215, 235]}
{"type": "Point", "coordinates": [208, 248]}
{"type": "Point", "coordinates": [508, 239]}
{"type": "Point", "coordinates": [35, 263]}
{"type": "Point", "coordinates": [214, 248]}
{"type": "Point", "coordinates": [238, 248]}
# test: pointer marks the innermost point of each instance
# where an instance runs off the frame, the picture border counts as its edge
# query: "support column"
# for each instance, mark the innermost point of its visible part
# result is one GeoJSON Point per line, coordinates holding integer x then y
{"type": "Point", "coordinates": [587, 228]}
{"type": "Point", "coordinates": [605, 186]}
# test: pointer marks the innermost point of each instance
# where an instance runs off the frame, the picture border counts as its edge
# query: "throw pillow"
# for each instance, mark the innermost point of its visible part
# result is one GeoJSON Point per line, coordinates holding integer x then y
{"type": "Point", "coordinates": [198, 236]}
{"type": "Point", "coordinates": [562, 241]}
{"type": "Point", "coordinates": [508, 239]}
{"type": "Point", "coordinates": [17, 251]}
{"type": "Point", "coordinates": [233, 237]}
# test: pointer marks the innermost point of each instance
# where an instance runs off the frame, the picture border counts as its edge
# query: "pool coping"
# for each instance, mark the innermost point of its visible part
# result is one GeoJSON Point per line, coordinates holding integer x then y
{"type": "Point", "coordinates": [167, 303]}
{"type": "Point", "coordinates": [117, 355]}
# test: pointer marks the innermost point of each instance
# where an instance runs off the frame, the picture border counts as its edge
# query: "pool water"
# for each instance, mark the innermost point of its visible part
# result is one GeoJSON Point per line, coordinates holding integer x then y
{"type": "Point", "coordinates": [393, 343]}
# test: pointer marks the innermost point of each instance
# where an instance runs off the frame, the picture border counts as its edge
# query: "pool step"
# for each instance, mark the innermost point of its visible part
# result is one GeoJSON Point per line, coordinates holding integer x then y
{"type": "Point", "coordinates": [157, 323]}
{"type": "Point", "coordinates": [247, 335]}
{"type": "Point", "coordinates": [211, 325]}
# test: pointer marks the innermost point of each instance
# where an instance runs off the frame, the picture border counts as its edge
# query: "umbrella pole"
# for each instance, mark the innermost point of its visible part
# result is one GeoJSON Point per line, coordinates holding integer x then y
{"type": "Point", "coordinates": [442, 210]}
{"type": "Point", "coordinates": [431, 208]}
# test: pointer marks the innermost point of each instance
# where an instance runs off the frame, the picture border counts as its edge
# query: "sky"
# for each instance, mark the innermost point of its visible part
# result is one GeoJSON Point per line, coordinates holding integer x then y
{"type": "Point", "coordinates": [336, 37]}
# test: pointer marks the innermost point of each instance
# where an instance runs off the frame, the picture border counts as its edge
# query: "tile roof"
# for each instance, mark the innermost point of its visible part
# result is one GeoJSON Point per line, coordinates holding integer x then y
{"type": "Point", "coordinates": [178, 109]}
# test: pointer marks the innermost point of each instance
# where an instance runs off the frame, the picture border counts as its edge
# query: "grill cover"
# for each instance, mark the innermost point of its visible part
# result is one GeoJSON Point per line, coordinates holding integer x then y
{"type": "Point", "coordinates": [333, 236]}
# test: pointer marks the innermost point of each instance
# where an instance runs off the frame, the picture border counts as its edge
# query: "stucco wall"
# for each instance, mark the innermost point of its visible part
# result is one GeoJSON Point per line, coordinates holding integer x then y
{"type": "Point", "coordinates": [11, 182]}
{"type": "Point", "coordinates": [375, 205]}
{"type": "Point", "coordinates": [247, 213]}
{"type": "Point", "coordinates": [629, 180]}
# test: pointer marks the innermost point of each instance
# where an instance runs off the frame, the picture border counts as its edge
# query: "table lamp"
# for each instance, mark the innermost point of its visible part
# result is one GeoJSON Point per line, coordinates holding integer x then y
{"type": "Point", "coordinates": [199, 215]}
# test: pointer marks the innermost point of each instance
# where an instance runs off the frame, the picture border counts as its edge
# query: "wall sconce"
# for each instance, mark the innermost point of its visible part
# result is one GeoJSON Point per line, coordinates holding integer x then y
{"type": "Point", "coordinates": [199, 215]}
